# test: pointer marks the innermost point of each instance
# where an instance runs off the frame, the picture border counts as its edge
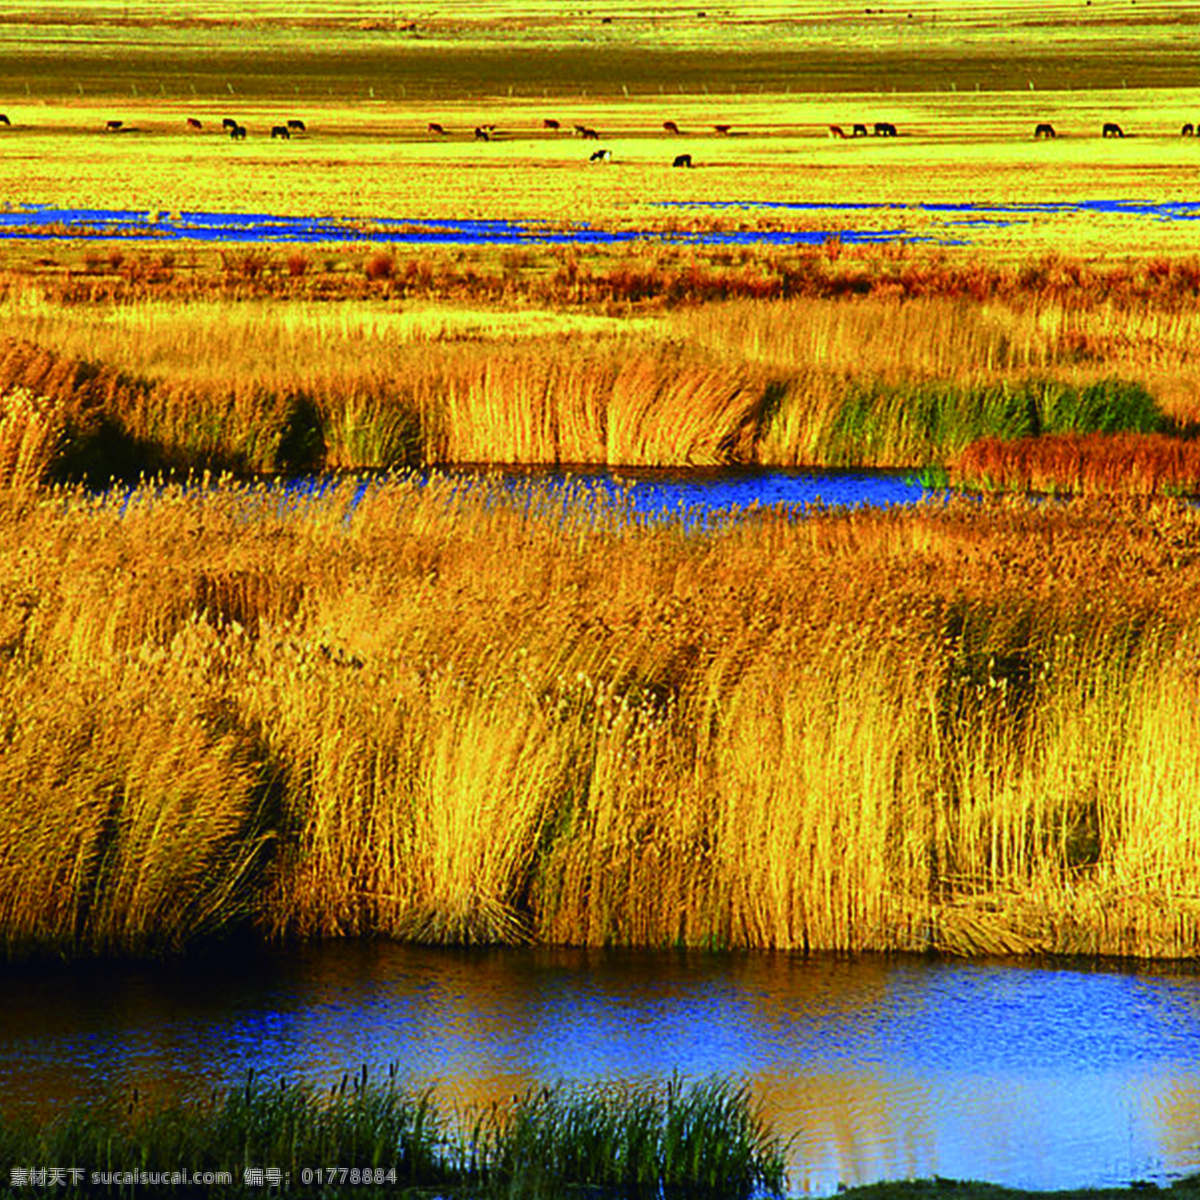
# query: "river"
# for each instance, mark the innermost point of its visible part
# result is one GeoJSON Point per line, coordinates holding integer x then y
{"type": "Point", "coordinates": [1030, 1075]}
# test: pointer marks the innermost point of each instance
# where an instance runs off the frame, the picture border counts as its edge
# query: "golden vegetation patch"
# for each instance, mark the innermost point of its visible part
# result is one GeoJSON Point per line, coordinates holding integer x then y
{"type": "Point", "coordinates": [853, 359]}
{"type": "Point", "coordinates": [454, 713]}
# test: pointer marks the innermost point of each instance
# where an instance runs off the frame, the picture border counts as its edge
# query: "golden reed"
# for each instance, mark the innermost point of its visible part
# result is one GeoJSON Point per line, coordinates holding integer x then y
{"type": "Point", "coordinates": [452, 714]}
{"type": "Point", "coordinates": [925, 359]}
{"type": "Point", "coordinates": [1082, 464]}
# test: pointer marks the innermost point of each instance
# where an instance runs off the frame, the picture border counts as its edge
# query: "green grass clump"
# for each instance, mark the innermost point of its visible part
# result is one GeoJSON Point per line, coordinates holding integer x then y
{"type": "Point", "coordinates": [705, 1140]}
{"type": "Point", "coordinates": [290, 1126]}
{"type": "Point", "coordinates": [928, 422]}
{"type": "Point", "coordinates": [1106, 406]}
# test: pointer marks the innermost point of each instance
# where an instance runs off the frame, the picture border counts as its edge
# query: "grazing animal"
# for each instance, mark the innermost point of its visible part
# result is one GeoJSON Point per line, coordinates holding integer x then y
{"type": "Point", "coordinates": [229, 123]}
{"type": "Point", "coordinates": [682, 160]}
{"type": "Point", "coordinates": [280, 131]}
{"type": "Point", "coordinates": [580, 128]}
{"type": "Point", "coordinates": [4, 119]}
{"type": "Point", "coordinates": [296, 124]}
{"type": "Point", "coordinates": [481, 134]}
{"type": "Point", "coordinates": [1112, 130]}
{"type": "Point", "coordinates": [1044, 131]}
{"type": "Point", "coordinates": [551, 123]}
{"type": "Point", "coordinates": [590, 135]}
{"type": "Point", "coordinates": [1189, 130]}
{"type": "Point", "coordinates": [723, 130]}
{"type": "Point", "coordinates": [836, 131]}
{"type": "Point", "coordinates": [885, 129]}
{"type": "Point", "coordinates": [601, 156]}
{"type": "Point", "coordinates": [859, 131]}
{"type": "Point", "coordinates": [434, 127]}
{"type": "Point", "coordinates": [192, 123]}
{"type": "Point", "coordinates": [113, 126]}
{"type": "Point", "coordinates": [670, 127]}
{"type": "Point", "coordinates": [238, 133]}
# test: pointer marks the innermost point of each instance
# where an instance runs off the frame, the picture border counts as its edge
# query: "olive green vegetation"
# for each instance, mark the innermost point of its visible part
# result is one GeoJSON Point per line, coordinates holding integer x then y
{"type": "Point", "coordinates": [705, 1140]}
{"type": "Point", "coordinates": [359, 51]}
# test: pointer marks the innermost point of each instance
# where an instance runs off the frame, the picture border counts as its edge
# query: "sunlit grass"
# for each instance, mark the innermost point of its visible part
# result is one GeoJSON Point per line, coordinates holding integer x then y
{"type": "Point", "coordinates": [465, 715]}
{"type": "Point", "coordinates": [1082, 465]}
{"type": "Point", "coordinates": [30, 438]}
{"type": "Point", "coordinates": [906, 370]}
{"type": "Point", "coordinates": [459, 717]}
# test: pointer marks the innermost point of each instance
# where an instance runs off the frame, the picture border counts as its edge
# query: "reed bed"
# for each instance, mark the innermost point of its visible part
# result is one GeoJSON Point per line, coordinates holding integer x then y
{"type": "Point", "coordinates": [30, 438]}
{"type": "Point", "coordinates": [457, 713]}
{"type": "Point", "coordinates": [705, 1140]}
{"type": "Point", "coordinates": [262, 384]}
{"type": "Point", "coordinates": [1076, 464]}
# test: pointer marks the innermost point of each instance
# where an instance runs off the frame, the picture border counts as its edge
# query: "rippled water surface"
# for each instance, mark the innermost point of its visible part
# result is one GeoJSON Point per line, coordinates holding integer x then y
{"type": "Point", "coordinates": [881, 1068]}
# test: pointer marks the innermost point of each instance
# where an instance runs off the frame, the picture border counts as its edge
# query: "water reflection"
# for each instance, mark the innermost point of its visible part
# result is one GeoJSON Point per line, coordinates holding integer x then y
{"type": "Point", "coordinates": [880, 1068]}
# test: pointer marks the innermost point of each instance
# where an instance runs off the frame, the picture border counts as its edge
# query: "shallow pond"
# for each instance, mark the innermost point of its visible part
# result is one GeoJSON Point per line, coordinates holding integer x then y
{"type": "Point", "coordinates": [880, 1068]}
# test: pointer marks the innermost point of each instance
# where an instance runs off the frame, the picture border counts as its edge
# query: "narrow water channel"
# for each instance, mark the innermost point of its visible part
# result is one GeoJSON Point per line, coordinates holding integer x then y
{"type": "Point", "coordinates": [696, 495]}
{"type": "Point", "coordinates": [878, 1067]}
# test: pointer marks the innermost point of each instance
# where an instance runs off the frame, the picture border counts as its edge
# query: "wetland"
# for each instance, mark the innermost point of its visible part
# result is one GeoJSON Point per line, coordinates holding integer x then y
{"type": "Point", "coordinates": [887, 813]}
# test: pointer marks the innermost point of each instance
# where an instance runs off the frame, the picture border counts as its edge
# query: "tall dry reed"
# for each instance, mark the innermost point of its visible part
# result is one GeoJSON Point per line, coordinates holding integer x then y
{"type": "Point", "coordinates": [1128, 464]}
{"type": "Point", "coordinates": [31, 432]}
{"type": "Point", "coordinates": [454, 713]}
{"type": "Point", "coordinates": [278, 382]}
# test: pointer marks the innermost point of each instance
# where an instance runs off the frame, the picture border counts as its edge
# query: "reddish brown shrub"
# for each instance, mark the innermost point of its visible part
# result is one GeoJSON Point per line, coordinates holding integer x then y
{"type": "Point", "coordinates": [379, 266]}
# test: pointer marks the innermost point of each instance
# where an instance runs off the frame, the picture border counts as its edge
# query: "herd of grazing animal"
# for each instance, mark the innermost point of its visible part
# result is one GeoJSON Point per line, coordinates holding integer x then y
{"type": "Point", "coordinates": [858, 129]}
{"type": "Point", "coordinates": [485, 133]}
{"type": "Point", "coordinates": [235, 129]}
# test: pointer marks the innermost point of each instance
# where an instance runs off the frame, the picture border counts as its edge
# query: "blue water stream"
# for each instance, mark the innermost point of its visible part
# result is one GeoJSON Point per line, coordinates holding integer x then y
{"type": "Point", "coordinates": [878, 1067]}
{"type": "Point", "coordinates": [43, 221]}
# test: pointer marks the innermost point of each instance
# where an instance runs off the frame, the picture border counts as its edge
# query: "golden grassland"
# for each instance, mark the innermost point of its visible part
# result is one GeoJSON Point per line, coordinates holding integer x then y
{"type": "Point", "coordinates": [361, 161]}
{"type": "Point", "coordinates": [262, 361]}
{"type": "Point", "coordinates": [451, 714]}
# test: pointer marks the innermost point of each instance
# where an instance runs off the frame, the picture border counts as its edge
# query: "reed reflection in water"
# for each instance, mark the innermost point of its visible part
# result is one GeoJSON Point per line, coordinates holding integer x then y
{"type": "Point", "coordinates": [880, 1068]}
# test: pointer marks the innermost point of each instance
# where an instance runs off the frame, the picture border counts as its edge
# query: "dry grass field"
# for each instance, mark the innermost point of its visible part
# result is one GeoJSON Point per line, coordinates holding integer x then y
{"type": "Point", "coordinates": [459, 717]}
{"type": "Point", "coordinates": [470, 715]}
